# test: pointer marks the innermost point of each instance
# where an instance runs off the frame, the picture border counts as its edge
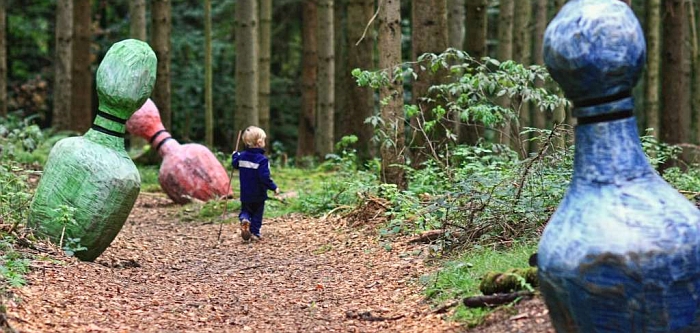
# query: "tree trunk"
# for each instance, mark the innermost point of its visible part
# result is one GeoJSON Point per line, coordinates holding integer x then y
{"type": "Point", "coordinates": [81, 105]}
{"type": "Point", "coordinates": [539, 117]}
{"type": "Point", "coordinates": [160, 42]}
{"type": "Point", "coordinates": [675, 124]}
{"type": "Point", "coordinates": [208, 79]}
{"type": "Point", "coordinates": [246, 64]}
{"type": "Point", "coordinates": [137, 30]}
{"type": "Point", "coordinates": [137, 24]}
{"type": "Point", "coordinates": [264, 83]}
{"type": "Point", "coordinates": [342, 74]}
{"type": "Point", "coordinates": [559, 115]}
{"type": "Point", "coordinates": [63, 73]}
{"type": "Point", "coordinates": [455, 39]}
{"type": "Point", "coordinates": [653, 34]}
{"type": "Point", "coordinates": [307, 116]}
{"type": "Point", "coordinates": [326, 75]}
{"type": "Point", "coordinates": [455, 21]}
{"type": "Point", "coordinates": [505, 52]}
{"type": "Point", "coordinates": [695, 99]}
{"type": "Point", "coordinates": [393, 146]}
{"type": "Point", "coordinates": [475, 46]}
{"type": "Point", "coordinates": [522, 46]}
{"type": "Point", "coordinates": [3, 58]}
{"type": "Point", "coordinates": [429, 35]}
{"type": "Point", "coordinates": [361, 100]}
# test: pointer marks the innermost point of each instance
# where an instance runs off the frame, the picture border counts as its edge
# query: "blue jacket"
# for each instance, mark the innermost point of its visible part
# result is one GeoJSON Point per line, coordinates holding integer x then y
{"type": "Point", "coordinates": [254, 174]}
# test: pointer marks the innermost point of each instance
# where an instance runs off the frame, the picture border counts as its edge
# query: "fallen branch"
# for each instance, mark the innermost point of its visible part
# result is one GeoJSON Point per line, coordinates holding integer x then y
{"type": "Point", "coordinates": [368, 316]}
{"type": "Point", "coordinates": [484, 301]}
{"type": "Point", "coordinates": [427, 236]}
{"type": "Point", "coordinates": [443, 308]}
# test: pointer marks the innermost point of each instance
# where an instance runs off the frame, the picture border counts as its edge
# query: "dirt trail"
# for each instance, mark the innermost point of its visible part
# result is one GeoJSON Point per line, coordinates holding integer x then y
{"type": "Point", "coordinates": [163, 275]}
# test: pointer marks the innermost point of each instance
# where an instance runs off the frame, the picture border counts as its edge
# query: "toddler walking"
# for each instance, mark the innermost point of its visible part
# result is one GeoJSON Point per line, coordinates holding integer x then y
{"type": "Point", "coordinates": [254, 174]}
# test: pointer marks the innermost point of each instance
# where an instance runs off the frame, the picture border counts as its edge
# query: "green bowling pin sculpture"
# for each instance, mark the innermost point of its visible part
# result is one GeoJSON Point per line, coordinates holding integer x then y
{"type": "Point", "coordinates": [93, 173]}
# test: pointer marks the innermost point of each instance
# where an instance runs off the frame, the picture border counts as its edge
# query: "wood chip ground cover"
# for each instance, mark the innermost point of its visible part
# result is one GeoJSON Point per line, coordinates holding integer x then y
{"type": "Point", "coordinates": [164, 275]}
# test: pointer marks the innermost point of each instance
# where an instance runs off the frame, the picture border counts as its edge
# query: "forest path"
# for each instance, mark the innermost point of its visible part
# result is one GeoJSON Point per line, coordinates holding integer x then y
{"type": "Point", "coordinates": [164, 275]}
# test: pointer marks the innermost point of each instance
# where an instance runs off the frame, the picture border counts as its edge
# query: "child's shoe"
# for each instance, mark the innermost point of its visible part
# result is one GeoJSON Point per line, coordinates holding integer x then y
{"type": "Point", "coordinates": [257, 237]}
{"type": "Point", "coordinates": [245, 229]}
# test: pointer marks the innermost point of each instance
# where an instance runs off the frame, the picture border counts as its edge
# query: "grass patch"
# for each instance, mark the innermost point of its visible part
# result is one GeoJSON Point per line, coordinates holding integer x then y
{"type": "Point", "coordinates": [149, 178]}
{"type": "Point", "coordinates": [461, 277]}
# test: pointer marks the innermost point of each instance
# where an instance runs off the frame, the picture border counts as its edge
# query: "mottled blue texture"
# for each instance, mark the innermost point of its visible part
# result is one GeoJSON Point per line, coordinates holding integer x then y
{"type": "Point", "coordinates": [594, 49]}
{"type": "Point", "coordinates": [622, 251]}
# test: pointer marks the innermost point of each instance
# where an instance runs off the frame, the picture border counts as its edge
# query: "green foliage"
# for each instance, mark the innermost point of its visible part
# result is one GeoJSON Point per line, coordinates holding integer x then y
{"type": "Point", "coordinates": [65, 216]}
{"type": "Point", "coordinates": [13, 265]}
{"type": "Point", "coordinates": [149, 178]}
{"type": "Point", "coordinates": [15, 194]}
{"type": "Point", "coordinates": [460, 277]}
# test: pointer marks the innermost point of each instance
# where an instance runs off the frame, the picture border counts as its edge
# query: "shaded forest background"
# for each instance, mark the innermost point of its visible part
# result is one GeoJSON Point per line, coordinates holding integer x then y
{"type": "Point", "coordinates": [506, 29]}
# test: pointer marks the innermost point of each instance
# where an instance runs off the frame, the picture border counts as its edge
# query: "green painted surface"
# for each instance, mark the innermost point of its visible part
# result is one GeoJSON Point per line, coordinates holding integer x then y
{"type": "Point", "coordinates": [93, 172]}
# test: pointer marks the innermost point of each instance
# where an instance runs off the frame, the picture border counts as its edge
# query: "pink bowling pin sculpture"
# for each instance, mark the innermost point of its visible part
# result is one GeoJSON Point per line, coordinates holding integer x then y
{"type": "Point", "coordinates": [189, 170]}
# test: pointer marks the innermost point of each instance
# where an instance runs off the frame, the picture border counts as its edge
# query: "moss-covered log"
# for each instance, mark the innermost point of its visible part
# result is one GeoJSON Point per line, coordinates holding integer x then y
{"type": "Point", "coordinates": [509, 281]}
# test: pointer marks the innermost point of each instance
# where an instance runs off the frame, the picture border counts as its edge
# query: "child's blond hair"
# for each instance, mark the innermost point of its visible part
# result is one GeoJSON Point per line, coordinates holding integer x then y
{"type": "Point", "coordinates": [254, 137]}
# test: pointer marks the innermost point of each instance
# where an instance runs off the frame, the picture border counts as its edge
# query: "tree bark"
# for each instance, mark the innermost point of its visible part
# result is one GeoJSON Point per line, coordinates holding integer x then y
{"type": "Point", "coordinates": [309, 75]}
{"type": "Point", "coordinates": [246, 64]}
{"type": "Point", "coordinates": [429, 35]}
{"type": "Point", "coordinates": [522, 46]}
{"type": "Point", "coordinates": [81, 107]}
{"type": "Point", "coordinates": [393, 146]}
{"type": "Point", "coordinates": [455, 21]}
{"type": "Point", "coordinates": [137, 24]}
{"type": "Point", "coordinates": [326, 75]}
{"type": "Point", "coordinates": [539, 117]}
{"type": "Point", "coordinates": [361, 100]}
{"type": "Point", "coordinates": [3, 58]}
{"type": "Point", "coordinates": [475, 46]}
{"type": "Point", "coordinates": [342, 75]}
{"type": "Point", "coordinates": [160, 42]}
{"type": "Point", "coordinates": [208, 79]}
{"type": "Point", "coordinates": [675, 122]}
{"type": "Point", "coordinates": [653, 34]}
{"type": "Point", "coordinates": [63, 71]}
{"type": "Point", "coordinates": [264, 82]}
{"type": "Point", "coordinates": [559, 115]}
{"type": "Point", "coordinates": [505, 52]}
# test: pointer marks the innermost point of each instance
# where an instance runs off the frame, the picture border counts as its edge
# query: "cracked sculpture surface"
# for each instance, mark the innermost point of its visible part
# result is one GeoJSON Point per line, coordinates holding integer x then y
{"type": "Point", "coordinates": [621, 253]}
{"type": "Point", "coordinates": [89, 184]}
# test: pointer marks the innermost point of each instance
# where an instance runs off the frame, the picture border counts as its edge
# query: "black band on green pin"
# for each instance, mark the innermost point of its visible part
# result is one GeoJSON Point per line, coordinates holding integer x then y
{"type": "Point", "coordinates": [162, 142]}
{"type": "Point", "coordinates": [111, 117]}
{"type": "Point", "coordinates": [107, 131]}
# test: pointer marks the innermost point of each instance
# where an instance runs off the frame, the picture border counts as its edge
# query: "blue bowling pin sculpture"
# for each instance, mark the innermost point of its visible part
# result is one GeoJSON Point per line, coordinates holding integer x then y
{"type": "Point", "coordinates": [622, 252]}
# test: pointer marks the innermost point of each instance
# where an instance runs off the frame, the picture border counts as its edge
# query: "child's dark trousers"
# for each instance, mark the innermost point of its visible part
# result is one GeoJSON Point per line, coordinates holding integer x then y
{"type": "Point", "coordinates": [253, 212]}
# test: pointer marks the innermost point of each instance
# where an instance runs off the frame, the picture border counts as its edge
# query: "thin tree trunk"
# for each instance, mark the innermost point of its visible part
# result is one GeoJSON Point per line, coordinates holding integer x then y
{"type": "Point", "coordinates": [81, 105]}
{"type": "Point", "coordinates": [675, 122]}
{"type": "Point", "coordinates": [63, 71]}
{"type": "Point", "coordinates": [361, 100]}
{"type": "Point", "coordinates": [307, 116]}
{"type": "Point", "coordinates": [342, 74]}
{"type": "Point", "coordinates": [208, 79]}
{"type": "Point", "coordinates": [326, 85]}
{"type": "Point", "coordinates": [653, 34]}
{"type": "Point", "coordinates": [160, 42]}
{"type": "Point", "coordinates": [475, 46]}
{"type": "Point", "coordinates": [539, 117]}
{"type": "Point", "coordinates": [695, 109]}
{"type": "Point", "coordinates": [429, 35]}
{"type": "Point", "coordinates": [246, 64]}
{"type": "Point", "coordinates": [137, 30]}
{"type": "Point", "coordinates": [264, 83]}
{"type": "Point", "coordinates": [455, 18]}
{"type": "Point", "coordinates": [559, 116]}
{"type": "Point", "coordinates": [3, 58]}
{"type": "Point", "coordinates": [522, 46]}
{"type": "Point", "coordinates": [137, 24]}
{"type": "Point", "coordinates": [393, 147]}
{"type": "Point", "coordinates": [455, 39]}
{"type": "Point", "coordinates": [505, 52]}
